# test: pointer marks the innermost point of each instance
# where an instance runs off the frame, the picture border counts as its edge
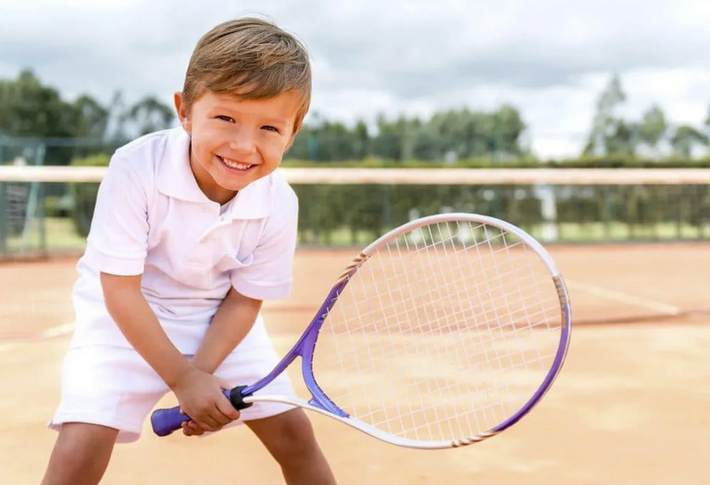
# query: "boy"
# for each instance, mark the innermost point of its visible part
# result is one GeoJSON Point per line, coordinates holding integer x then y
{"type": "Point", "coordinates": [192, 230]}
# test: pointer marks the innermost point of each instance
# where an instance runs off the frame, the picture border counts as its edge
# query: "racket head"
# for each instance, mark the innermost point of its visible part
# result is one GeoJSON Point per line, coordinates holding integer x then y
{"type": "Point", "coordinates": [441, 333]}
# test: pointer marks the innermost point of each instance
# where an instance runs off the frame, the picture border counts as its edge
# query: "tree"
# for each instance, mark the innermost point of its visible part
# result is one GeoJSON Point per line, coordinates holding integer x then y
{"type": "Point", "coordinates": [653, 127]}
{"type": "Point", "coordinates": [508, 126]}
{"type": "Point", "coordinates": [388, 141]}
{"type": "Point", "coordinates": [623, 137]}
{"type": "Point", "coordinates": [362, 140]}
{"type": "Point", "coordinates": [27, 108]}
{"type": "Point", "coordinates": [685, 138]}
{"type": "Point", "coordinates": [91, 117]}
{"type": "Point", "coordinates": [606, 126]}
{"type": "Point", "coordinates": [149, 115]}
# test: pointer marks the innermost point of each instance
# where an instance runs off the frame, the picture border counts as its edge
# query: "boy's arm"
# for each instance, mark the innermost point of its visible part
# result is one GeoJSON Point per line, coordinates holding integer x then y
{"type": "Point", "coordinates": [198, 392]}
{"type": "Point", "coordinates": [233, 320]}
{"type": "Point", "coordinates": [267, 277]}
{"type": "Point", "coordinates": [130, 310]}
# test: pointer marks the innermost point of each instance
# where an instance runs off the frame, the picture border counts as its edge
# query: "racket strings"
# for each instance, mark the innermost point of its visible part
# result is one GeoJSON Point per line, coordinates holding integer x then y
{"type": "Point", "coordinates": [371, 323]}
{"type": "Point", "coordinates": [443, 333]}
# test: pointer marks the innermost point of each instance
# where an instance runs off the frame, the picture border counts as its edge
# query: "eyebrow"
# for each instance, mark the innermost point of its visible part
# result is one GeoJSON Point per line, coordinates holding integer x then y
{"type": "Point", "coordinates": [275, 121]}
{"type": "Point", "coordinates": [229, 108]}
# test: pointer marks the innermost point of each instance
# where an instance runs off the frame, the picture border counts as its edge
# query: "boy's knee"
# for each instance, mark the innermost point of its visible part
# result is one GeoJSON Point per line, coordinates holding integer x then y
{"type": "Point", "coordinates": [81, 454]}
{"type": "Point", "coordinates": [289, 436]}
{"type": "Point", "coordinates": [297, 436]}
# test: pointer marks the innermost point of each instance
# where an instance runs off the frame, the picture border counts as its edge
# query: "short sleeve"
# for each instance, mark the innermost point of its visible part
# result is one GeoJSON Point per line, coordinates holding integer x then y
{"type": "Point", "coordinates": [118, 238]}
{"type": "Point", "coordinates": [270, 274]}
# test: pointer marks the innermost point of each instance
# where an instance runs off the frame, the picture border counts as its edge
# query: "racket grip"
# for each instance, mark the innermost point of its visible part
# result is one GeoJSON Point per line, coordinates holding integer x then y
{"type": "Point", "coordinates": [165, 421]}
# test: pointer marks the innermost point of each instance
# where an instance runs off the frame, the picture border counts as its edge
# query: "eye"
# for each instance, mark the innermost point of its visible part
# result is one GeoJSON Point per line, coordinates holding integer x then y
{"type": "Point", "coordinates": [270, 128]}
{"type": "Point", "coordinates": [228, 119]}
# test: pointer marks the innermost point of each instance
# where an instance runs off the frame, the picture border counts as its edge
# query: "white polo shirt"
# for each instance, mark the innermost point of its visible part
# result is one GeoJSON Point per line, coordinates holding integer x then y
{"type": "Point", "coordinates": [151, 218]}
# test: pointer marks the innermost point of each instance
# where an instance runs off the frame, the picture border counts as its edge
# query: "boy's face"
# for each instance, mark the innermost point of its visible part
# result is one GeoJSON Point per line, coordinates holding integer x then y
{"type": "Point", "coordinates": [236, 141]}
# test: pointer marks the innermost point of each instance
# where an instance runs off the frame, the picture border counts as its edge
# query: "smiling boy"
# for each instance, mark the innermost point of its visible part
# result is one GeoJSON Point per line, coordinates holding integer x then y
{"type": "Point", "coordinates": [192, 230]}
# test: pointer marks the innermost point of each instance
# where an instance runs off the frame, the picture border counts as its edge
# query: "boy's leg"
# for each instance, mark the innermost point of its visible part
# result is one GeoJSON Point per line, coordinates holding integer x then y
{"type": "Point", "coordinates": [107, 393]}
{"type": "Point", "coordinates": [290, 440]}
{"type": "Point", "coordinates": [81, 455]}
{"type": "Point", "coordinates": [285, 431]}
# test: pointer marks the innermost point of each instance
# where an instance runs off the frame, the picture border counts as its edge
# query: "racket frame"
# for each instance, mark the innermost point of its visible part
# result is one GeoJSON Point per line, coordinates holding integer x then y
{"type": "Point", "coordinates": [305, 346]}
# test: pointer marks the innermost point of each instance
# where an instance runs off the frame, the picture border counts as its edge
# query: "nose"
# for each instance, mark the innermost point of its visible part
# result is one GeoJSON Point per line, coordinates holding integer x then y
{"type": "Point", "coordinates": [243, 141]}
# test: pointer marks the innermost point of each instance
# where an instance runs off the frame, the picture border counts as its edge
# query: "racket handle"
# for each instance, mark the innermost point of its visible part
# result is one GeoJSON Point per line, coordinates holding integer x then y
{"type": "Point", "coordinates": [165, 421]}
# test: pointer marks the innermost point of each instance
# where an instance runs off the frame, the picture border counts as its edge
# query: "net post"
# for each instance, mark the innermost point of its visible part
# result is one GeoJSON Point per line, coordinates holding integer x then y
{"type": "Point", "coordinates": [41, 219]}
{"type": "Point", "coordinates": [680, 223]}
{"type": "Point", "coordinates": [3, 208]}
{"type": "Point", "coordinates": [607, 208]}
{"type": "Point", "coordinates": [3, 219]}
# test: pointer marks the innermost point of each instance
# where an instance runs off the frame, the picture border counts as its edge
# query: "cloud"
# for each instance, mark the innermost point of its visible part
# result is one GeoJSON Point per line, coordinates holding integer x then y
{"type": "Point", "coordinates": [548, 57]}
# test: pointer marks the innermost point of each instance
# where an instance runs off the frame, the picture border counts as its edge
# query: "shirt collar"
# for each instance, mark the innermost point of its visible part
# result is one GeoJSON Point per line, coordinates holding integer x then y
{"type": "Point", "coordinates": [176, 180]}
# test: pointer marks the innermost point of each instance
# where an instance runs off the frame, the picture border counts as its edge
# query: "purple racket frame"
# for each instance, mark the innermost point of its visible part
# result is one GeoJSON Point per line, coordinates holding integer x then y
{"type": "Point", "coordinates": [304, 348]}
{"type": "Point", "coordinates": [166, 421]}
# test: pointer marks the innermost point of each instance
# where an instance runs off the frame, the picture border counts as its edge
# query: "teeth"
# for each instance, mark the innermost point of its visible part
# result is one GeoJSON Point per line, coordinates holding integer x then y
{"type": "Point", "coordinates": [237, 165]}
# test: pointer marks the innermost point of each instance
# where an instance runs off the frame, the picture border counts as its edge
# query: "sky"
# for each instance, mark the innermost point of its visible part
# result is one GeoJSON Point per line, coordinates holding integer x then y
{"type": "Point", "coordinates": [548, 58]}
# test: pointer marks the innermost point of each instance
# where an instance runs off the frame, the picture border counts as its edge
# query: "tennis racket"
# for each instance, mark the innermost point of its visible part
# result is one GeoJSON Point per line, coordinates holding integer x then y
{"type": "Point", "coordinates": [441, 333]}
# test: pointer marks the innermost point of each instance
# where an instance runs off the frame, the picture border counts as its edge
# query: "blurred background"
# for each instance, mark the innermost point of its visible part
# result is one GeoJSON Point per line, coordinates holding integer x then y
{"type": "Point", "coordinates": [586, 123]}
{"type": "Point", "coordinates": [399, 85]}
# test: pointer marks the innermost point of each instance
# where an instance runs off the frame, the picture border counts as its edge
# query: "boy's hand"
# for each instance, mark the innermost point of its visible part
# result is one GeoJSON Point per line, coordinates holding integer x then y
{"type": "Point", "coordinates": [200, 397]}
{"type": "Point", "coordinates": [190, 428]}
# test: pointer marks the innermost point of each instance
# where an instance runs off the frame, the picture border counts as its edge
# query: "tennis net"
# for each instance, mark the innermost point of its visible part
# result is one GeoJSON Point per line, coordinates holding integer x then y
{"type": "Point", "coordinates": [47, 210]}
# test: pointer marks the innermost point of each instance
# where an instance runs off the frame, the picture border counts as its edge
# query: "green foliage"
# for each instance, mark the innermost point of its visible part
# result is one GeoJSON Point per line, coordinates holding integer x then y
{"type": "Point", "coordinates": [454, 134]}
{"type": "Point", "coordinates": [355, 214]}
{"type": "Point", "coordinates": [611, 135]}
{"type": "Point", "coordinates": [95, 160]}
{"type": "Point", "coordinates": [653, 126]}
{"type": "Point", "coordinates": [685, 137]}
{"type": "Point", "coordinates": [463, 137]}
{"type": "Point", "coordinates": [150, 115]}
{"type": "Point", "coordinates": [83, 195]}
{"type": "Point", "coordinates": [32, 113]}
{"type": "Point", "coordinates": [58, 207]}
{"type": "Point", "coordinates": [27, 108]}
{"type": "Point", "coordinates": [617, 161]}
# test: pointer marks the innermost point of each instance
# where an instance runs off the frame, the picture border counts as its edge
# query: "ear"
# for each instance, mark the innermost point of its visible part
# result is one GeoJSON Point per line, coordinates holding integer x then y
{"type": "Point", "coordinates": [182, 112]}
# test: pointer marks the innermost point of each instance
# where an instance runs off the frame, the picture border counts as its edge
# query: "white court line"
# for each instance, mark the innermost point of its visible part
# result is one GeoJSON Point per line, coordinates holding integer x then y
{"type": "Point", "coordinates": [646, 303]}
{"type": "Point", "coordinates": [7, 347]}
{"type": "Point", "coordinates": [57, 331]}
{"type": "Point", "coordinates": [53, 332]}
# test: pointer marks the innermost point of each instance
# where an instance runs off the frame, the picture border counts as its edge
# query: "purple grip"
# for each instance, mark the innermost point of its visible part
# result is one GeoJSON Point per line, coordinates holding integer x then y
{"type": "Point", "coordinates": [165, 421]}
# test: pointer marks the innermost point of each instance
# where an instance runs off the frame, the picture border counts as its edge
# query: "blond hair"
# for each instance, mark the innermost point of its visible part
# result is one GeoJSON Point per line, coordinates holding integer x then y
{"type": "Point", "coordinates": [252, 59]}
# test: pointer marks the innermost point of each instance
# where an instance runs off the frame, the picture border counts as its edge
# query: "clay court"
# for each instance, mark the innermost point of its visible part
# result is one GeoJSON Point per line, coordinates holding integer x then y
{"type": "Point", "coordinates": [630, 406]}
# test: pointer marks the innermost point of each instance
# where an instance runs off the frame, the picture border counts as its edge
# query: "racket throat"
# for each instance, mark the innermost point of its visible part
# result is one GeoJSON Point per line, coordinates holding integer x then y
{"type": "Point", "coordinates": [327, 405]}
{"type": "Point", "coordinates": [237, 398]}
{"type": "Point", "coordinates": [319, 399]}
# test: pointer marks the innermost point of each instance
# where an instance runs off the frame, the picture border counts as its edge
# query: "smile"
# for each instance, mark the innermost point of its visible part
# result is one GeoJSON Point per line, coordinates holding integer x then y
{"type": "Point", "coordinates": [234, 165]}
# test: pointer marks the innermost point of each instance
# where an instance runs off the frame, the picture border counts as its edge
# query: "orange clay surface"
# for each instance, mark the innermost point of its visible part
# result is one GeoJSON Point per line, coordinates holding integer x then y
{"type": "Point", "coordinates": [631, 406]}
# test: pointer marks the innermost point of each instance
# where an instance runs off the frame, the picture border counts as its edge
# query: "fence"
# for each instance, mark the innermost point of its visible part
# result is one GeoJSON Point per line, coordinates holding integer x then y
{"type": "Point", "coordinates": [47, 210]}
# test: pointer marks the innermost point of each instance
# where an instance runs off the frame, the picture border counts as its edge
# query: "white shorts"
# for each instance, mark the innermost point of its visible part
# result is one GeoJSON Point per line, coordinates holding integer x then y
{"type": "Point", "coordinates": [115, 387]}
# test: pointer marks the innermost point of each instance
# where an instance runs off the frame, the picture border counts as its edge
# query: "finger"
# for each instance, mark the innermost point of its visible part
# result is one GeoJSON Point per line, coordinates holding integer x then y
{"type": "Point", "coordinates": [208, 423]}
{"type": "Point", "coordinates": [226, 409]}
{"type": "Point", "coordinates": [224, 384]}
{"type": "Point", "coordinates": [191, 428]}
{"type": "Point", "coordinates": [196, 430]}
{"type": "Point", "coordinates": [219, 416]}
